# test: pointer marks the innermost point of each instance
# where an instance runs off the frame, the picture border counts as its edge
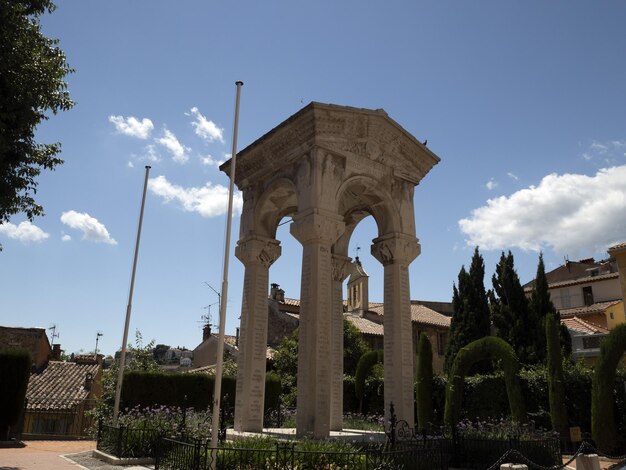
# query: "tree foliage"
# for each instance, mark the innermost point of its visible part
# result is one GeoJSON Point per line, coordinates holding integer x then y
{"type": "Point", "coordinates": [470, 320]}
{"type": "Point", "coordinates": [556, 381]}
{"type": "Point", "coordinates": [354, 346]}
{"type": "Point", "coordinates": [14, 374]}
{"type": "Point", "coordinates": [363, 370]}
{"type": "Point", "coordinates": [512, 316]}
{"type": "Point", "coordinates": [32, 74]}
{"type": "Point", "coordinates": [603, 426]}
{"type": "Point", "coordinates": [424, 383]}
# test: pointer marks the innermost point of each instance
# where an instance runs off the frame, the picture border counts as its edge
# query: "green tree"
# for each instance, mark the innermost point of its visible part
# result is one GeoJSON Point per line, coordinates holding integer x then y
{"type": "Point", "coordinates": [32, 73]}
{"type": "Point", "coordinates": [511, 313]}
{"type": "Point", "coordinates": [470, 320]}
{"type": "Point", "coordinates": [354, 346]}
{"type": "Point", "coordinates": [556, 382]}
{"type": "Point", "coordinates": [286, 366]}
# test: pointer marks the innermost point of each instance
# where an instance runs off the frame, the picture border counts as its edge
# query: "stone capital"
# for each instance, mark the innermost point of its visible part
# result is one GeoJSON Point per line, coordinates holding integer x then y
{"type": "Point", "coordinates": [317, 226]}
{"type": "Point", "coordinates": [257, 249]}
{"type": "Point", "coordinates": [341, 266]}
{"type": "Point", "coordinates": [395, 248]}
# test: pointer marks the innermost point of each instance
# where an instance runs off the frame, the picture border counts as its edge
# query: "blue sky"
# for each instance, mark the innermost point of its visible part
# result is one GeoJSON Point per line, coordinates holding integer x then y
{"type": "Point", "coordinates": [524, 102]}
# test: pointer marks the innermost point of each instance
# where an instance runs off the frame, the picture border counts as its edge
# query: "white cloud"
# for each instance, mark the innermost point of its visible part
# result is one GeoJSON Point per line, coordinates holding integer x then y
{"type": "Point", "coordinates": [171, 143]}
{"type": "Point", "coordinates": [512, 176]}
{"type": "Point", "coordinates": [210, 161]}
{"type": "Point", "coordinates": [491, 184]}
{"type": "Point", "coordinates": [209, 200]}
{"type": "Point", "coordinates": [151, 154]}
{"type": "Point", "coordinates": [66, 238]}
{"type": "Point", "coordinates": [24, 232]}
{"type": "Point", "coordinates": [132, 126]}
{"type": "Point", "coordinates": [205, 128]}
{"type": "Point", "coordinates": [130, 164]}
{"type": "Point", "coordinates": [92, 229]}
{"type": "Point", "coordinates": [572, 214]}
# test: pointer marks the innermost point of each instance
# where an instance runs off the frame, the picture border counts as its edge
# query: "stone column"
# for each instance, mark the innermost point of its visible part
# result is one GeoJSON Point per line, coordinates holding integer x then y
{"type": "Point", "coordinates": [341, 269]}
{"type": "Point", "coordinates": [257, 254]}
{"type": "Point", "coordinates": [396, 251]}
{"type": "Point", "coordinates": [317, 231]}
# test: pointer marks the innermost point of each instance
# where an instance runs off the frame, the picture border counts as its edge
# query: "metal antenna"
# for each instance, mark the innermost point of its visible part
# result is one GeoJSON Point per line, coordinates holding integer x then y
{"type": "Point", "coordinates": [98, 334]}
{"type": "Point", "coordinates": [54, 334]}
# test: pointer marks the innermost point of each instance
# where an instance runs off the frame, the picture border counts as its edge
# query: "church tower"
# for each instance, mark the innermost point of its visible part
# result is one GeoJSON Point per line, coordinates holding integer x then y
{"type": "Point", "coordinates": [358, 298]}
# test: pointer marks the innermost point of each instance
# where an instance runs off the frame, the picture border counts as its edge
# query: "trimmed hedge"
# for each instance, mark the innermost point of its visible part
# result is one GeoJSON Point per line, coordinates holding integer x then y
{"type": "Point", "coordinates": [603, 425]}
{"type": "Point", "coordinates": [489, 347]}
{"type": "Point", "coordinates": [363, 370]}
{"type": "Point", "coordinates": [161, 388]}
{"type": "Point", "coordinates": [14, 374]}
{"type": "Point", "coordinates": [424, 383]}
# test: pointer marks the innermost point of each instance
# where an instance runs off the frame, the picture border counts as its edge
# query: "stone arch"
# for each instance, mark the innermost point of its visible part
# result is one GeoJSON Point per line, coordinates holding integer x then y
{"type": "Point", "coordinates": [278, 199]}
{"type": "Point", "coordinates": [603, 425]}
{"type": "Point", "coordinates": [489, 347]}
{"type": "Point", "coordinates": [328, 166]}
{"type": "Point", "coordinates": [360, 196]}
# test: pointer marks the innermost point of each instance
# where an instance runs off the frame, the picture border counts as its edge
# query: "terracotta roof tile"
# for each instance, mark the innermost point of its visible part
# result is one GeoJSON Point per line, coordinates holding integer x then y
{"type": "Point", "coordinates": [59, 382]}
{"type": "Point", "coordinates": [599, 307]}
{"type": "Point", "coordinates": [420, 314]}
{"type": "Point", "coordinates": [618, 247]}
{"type": "Point", "coordinates": [580, 280]}
{"type": "Point", "coordinates": [582, 326]}
{"type": "Point", "coordinates": [364, 325]}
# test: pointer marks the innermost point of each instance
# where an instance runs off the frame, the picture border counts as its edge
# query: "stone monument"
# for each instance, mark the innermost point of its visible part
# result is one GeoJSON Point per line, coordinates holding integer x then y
{"type": "Point", "coordinates": [327, 167]}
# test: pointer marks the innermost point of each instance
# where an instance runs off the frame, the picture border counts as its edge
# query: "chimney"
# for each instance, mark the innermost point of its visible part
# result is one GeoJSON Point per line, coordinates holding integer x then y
{"type": "Point", "coordinates": [206, 332]}
{"type": "Point", "coordinates": [274, 290]}
{"type": "Point", "coordinates": [237, 337]}
{"type": "Point", "coordinates": [56, 352]}
{"type": "Point", "coordinates": [88, 381]}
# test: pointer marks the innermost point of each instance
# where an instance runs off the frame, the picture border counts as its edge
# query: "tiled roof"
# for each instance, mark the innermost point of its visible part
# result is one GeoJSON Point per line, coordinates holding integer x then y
{"type": "Point", "coordinates": [59, 385]}
{"type": "Point", "coordinates": [420, 314]}
{"type": "Point", "coordinates": [364, 325]}
{"type": "Point", "coordinates": [580, 280]}
{"type": "Point", "coordinates": [617, 248]}
{"type": "Point", "coordinates": [582, 326]}
{"type": "Point", "coordinates": [599, 307]}
{"type": "Point", "coordinates": [295, 302]}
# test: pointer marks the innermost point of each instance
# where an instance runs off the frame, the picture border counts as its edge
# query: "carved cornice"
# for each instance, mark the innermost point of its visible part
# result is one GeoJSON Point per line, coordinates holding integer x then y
{"type": "Point", "coordinates": [396, 248]}
{"type": "Point", "coordinates": [256, 249]}
{"type": "Point", "coordinates": [349, 131]}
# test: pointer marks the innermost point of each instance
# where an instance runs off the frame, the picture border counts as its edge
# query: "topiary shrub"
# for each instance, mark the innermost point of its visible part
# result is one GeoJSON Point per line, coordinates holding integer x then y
{"type": "Point", "coordinates": [556, 382]}
{"type": "Point", "coordinates": [485, 348]}
{"type": "Point", "coordinates": [14, 374]}
{"type": "Point", "coordinates": [424, 384]}
{"type": "Point", "coordinates": [603, 425]}
{"type": "Point", "coordinates": [363, 370]}
{"type": "Point", "coordinates": [272, 391]}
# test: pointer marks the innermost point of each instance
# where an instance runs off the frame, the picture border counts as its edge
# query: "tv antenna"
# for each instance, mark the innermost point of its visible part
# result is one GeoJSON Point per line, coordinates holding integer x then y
{"type": "Point", "coordinates": [54, 334]}
{"type": "Point", "coordinates": [98, 334]}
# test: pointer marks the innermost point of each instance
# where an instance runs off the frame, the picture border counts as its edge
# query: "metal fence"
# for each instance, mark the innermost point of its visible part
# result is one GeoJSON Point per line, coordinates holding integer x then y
{"type": "Point", "coordinates": [178, 455]}
{"type": "Point", "coordinates": [57, 418]}
{"type": "Point", "coordinates": [124, 442]}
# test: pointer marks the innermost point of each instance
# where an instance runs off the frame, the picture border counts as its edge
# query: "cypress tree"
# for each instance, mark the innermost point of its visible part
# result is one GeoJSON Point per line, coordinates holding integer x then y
{"type": "Point", "coordinates": [556, 382]}
{"type": "Point", "coordinates": [510, 311]}
{"type": "Point", "coordinates": [470, 320]}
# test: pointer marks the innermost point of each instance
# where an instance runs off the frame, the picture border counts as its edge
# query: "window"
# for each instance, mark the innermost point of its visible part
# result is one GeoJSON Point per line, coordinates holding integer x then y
{"type": "Point", "coordinates": [441, 343]}
{"type": "Point", "coordinates": [588, 295]}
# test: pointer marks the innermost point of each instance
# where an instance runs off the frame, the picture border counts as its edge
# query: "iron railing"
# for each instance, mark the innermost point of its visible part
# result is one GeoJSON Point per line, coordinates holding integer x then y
{"type": "Point", "coordinates": [125, 442]}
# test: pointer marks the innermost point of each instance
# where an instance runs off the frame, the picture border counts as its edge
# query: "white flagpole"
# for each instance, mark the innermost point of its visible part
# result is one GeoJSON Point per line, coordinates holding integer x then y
{"type": "Point", "coordinates": [120, 375]}
{"type": "Point", "coordinates": [215, 419]}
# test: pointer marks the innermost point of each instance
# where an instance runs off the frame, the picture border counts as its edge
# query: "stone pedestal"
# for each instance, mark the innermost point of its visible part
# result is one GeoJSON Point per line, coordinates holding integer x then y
{"type": "Point", "coordinates": [317, 232]}
{"type": "Point", "coordinates": [396, 251]}
{"type": "Point", "coordinates": [257, 254]}
{"type": "Point", "coordinates": [340, 269]}
{"type": "Point", "coordinates": [588, 462]}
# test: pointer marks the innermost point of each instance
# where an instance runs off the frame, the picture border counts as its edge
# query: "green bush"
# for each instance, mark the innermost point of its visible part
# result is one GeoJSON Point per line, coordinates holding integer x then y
{"type": "Point", "coordinates": [363, 371]}
{"type": "Point", "coordinates": [14, 374]}
{"type": "Point", "coordinates": [272, 391]}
